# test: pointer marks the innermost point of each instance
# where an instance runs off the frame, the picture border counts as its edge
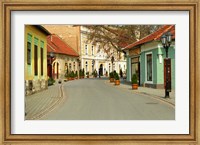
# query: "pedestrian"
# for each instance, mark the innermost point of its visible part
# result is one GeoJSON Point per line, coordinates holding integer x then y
{"type": "Point", "coordinates": [99, 73]}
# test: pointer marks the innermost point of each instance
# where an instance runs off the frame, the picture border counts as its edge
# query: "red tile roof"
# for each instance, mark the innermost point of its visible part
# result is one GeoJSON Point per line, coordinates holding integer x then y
{"type": "Point", "coordinates": [57, 45]}
{"type": "Point", "coordinates": [154, 36]}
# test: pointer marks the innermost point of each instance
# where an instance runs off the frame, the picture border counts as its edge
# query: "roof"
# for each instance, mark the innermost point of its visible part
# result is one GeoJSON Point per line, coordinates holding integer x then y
{"type": "Point", "coordinates": [57, 45]}
{"type": "Point", "coordinates": [42, 29]}
{"type": "Point", "coordinates": [153, 36]}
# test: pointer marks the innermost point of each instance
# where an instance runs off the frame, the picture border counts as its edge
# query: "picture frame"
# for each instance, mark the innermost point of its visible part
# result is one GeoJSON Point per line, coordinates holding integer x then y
{"type": "Point", "coordinates": [111, 5]}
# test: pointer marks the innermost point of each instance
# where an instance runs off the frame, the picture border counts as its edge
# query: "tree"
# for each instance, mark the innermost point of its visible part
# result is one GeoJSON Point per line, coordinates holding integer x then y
{"type": "Point", "coordinates": [117, 36]}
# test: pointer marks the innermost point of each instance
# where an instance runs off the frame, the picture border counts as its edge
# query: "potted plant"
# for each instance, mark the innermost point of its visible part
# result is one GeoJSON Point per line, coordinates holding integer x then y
{"type": "Point", "coordinates": [134, 82]}
{"type": "Point", "coordinates": [72, 75]}
{"type": "Point", "coordinates": [95, 73]}
{"type": "Point", "coordinates": [80, 74]}
{"type": "Point", "coordinates": [87, 74]}
{"type": "Point", "coordinates": [111, 77]}
{"type": "Point", "coordinates": [83, 73]}
{"type": "Point", "coordinates": [51, 81]}
{"type": "Point", "coordinates": [117, 81]}
{"type": "Point", "coordinates": [76, 75]}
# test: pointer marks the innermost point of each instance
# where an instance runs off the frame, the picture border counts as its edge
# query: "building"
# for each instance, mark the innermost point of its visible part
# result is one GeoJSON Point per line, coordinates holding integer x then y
{"type": "Point", "coordinates": [146, 58]}
{"type": "Point", "coordinates": [60, 57]}
{"type": "Point", "coordinates": [94, 57]}
{"type": "Point", "coordinates": [35, 58]}
{"type": "Point", "coordinates": [70, 34]}
{"type": "Point", "coordinates": [91, 56]}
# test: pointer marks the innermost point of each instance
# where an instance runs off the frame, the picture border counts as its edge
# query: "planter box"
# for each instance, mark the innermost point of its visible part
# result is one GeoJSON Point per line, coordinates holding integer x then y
{"type": "Point", "coordinates": [111, 80]}
{"type": "Point", "coordinates": [134, 86]}
{"type": "Point", "coordinates": [117, 82]}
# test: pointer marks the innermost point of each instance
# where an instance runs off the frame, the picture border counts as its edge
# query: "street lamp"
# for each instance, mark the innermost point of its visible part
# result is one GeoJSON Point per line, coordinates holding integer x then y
{"type": "Point", "coordinates": [51, 58]}
{"type": "Point", "coordinates": [166, 40]}
{"type": "Point", "coordinates": [112, 60]}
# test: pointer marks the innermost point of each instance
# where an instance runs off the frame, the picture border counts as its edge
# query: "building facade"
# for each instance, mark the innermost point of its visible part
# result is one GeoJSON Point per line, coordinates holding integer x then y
{"type": "Point", "coordinates": [35, 58]}
{"type": "Point", "coordinates": [146, 58]}
{"type": "Point", "coordinates": [60, 57]}
{"type": "Point", "coordinates": [94, 57]}
{"type": "Point", "coordinates": [70, 34]}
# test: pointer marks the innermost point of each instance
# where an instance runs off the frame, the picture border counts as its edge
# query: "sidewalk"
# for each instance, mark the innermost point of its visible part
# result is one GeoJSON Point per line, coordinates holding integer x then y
{"type": "Point", "coordinates": [42, 102]}
{"type": "Point", "coordinates": [156, 93]}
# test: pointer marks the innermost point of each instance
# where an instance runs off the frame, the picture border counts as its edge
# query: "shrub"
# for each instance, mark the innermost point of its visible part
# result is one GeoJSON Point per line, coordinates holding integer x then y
{"type": "Point", "coordinates": [111, 75]}
{"type": "Point", "coordinates": [51, 81]}
{"type": "Point", "coordinates": [134, 79]}
{"type": "Point", "coordinates": [116, 76]}
{"type": "Point", "coordinates": [83, 72]}
{"type": "Point", "coordinates": [76, 74]}
{"type": "Point", "coordinates": [94, 73]}
{"type": "Point", "coordinates": [72, 74]}
{"type": "Point", "coordinates": [80, 72]}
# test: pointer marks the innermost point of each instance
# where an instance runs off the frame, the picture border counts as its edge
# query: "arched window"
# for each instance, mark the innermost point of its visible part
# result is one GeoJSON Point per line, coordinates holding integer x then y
{"type": "Point", "coordinates": [109, 67]}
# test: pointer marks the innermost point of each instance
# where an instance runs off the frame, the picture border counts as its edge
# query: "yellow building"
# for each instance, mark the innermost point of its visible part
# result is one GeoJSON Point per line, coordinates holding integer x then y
{"type": "Point", "coordinates": [35, 58]}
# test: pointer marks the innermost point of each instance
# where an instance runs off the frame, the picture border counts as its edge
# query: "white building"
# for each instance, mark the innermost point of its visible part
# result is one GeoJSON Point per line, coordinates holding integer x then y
{"type": "Point", "coordinates": [94, 56]}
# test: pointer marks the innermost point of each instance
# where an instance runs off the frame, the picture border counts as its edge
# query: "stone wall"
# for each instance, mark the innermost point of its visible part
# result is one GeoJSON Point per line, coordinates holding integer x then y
{"type": "Point", "coordinates": [33, 86]}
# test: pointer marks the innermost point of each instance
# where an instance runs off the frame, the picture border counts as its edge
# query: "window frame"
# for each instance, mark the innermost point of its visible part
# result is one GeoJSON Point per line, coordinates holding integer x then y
{"type": "Point", "coordinates": [35, 60]}
{"type": "Point", "coordinates": [28, 59]}
{"type": "Point", "coordinates": [150, 82]}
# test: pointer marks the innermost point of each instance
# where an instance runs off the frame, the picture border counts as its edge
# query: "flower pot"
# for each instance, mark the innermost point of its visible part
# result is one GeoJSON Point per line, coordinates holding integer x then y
{"type": "Point", "coordinates": [111, 80]}
{"type": "Point", "coordinates": [134, 86]}
{"type": "Point", "coordinates": [117, 82]}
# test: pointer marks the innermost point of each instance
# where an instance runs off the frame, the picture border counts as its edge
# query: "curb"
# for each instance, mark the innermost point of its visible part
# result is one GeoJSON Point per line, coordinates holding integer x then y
{"type": "Point", "coordinates": [146, 94]}
{"type": "Point", "coordinates": [50, 108]}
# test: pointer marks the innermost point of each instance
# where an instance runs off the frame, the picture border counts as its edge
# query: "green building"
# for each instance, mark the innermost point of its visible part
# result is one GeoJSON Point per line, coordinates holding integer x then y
{"type": "Point", "coordinates": [146, 58]}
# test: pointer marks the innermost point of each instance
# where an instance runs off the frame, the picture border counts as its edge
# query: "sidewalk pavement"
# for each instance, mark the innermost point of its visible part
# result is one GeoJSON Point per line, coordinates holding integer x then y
{"type": "Point", "coordinates": [40, 103]}
{"type": "Point", "coordinates": [156, 93]}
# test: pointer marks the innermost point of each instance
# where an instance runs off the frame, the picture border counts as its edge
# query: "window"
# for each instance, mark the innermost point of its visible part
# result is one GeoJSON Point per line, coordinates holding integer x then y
{"type": "Point", "coordinates": [149, 67]}
{"type": "Point", "coordinates": [70, 66]}
{"type": "Point", "coordinates": [36, 59]}
{"type": "Point", "coordinates": [74, 66]}
{"type": "Point", "coordinates": [86, 50]}
{"type": "Point", "coordinates": [86, 64]}
{"type": "Point", "coordinates": [28, 53]}
{"type": "Point", "coordinates": [92, 50]}
{"type": "Point", "coordinates": [42, 54]}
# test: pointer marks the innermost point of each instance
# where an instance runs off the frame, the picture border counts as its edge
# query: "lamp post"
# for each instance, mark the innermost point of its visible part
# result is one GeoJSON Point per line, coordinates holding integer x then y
{"type": "Point", "coordinates": [166, 42]}
{"type": "Point", "coordinates": [51, 58]}
{"type": "Point", "coordinates": [112, 60]}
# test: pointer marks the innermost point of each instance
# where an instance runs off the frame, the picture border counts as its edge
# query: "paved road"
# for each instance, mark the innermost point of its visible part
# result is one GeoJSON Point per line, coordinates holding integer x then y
{"type": "Point", "coordinates": [94, 99]}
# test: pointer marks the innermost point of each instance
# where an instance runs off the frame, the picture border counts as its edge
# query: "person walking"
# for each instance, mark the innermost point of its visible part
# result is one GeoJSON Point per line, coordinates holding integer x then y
{"type": "Point", "coordinates": [99, 73]}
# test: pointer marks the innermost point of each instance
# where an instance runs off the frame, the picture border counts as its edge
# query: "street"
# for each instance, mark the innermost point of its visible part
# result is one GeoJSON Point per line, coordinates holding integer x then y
{"type": "Point", "coordinates": [97, 99]}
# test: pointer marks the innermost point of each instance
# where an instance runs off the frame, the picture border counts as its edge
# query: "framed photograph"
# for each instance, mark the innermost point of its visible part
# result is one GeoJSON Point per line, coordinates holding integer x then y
{"type": "Point", "coordinates": [100, 72]}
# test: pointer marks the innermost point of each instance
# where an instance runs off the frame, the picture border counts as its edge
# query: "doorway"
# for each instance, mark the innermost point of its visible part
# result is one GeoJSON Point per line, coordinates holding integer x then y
{"type": "Point", "coordinates": [101, 70]}
{"type": "Point", "coordinates": [135, 68]}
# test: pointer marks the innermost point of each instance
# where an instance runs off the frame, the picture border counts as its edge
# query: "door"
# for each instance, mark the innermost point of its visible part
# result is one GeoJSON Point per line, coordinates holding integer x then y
{"type": "Point", "coordinates": [135, 68]}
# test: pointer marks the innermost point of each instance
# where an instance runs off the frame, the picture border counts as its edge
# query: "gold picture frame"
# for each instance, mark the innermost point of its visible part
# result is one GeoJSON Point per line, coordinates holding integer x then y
{"type": "Point", "coordinates": [5, 64]}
